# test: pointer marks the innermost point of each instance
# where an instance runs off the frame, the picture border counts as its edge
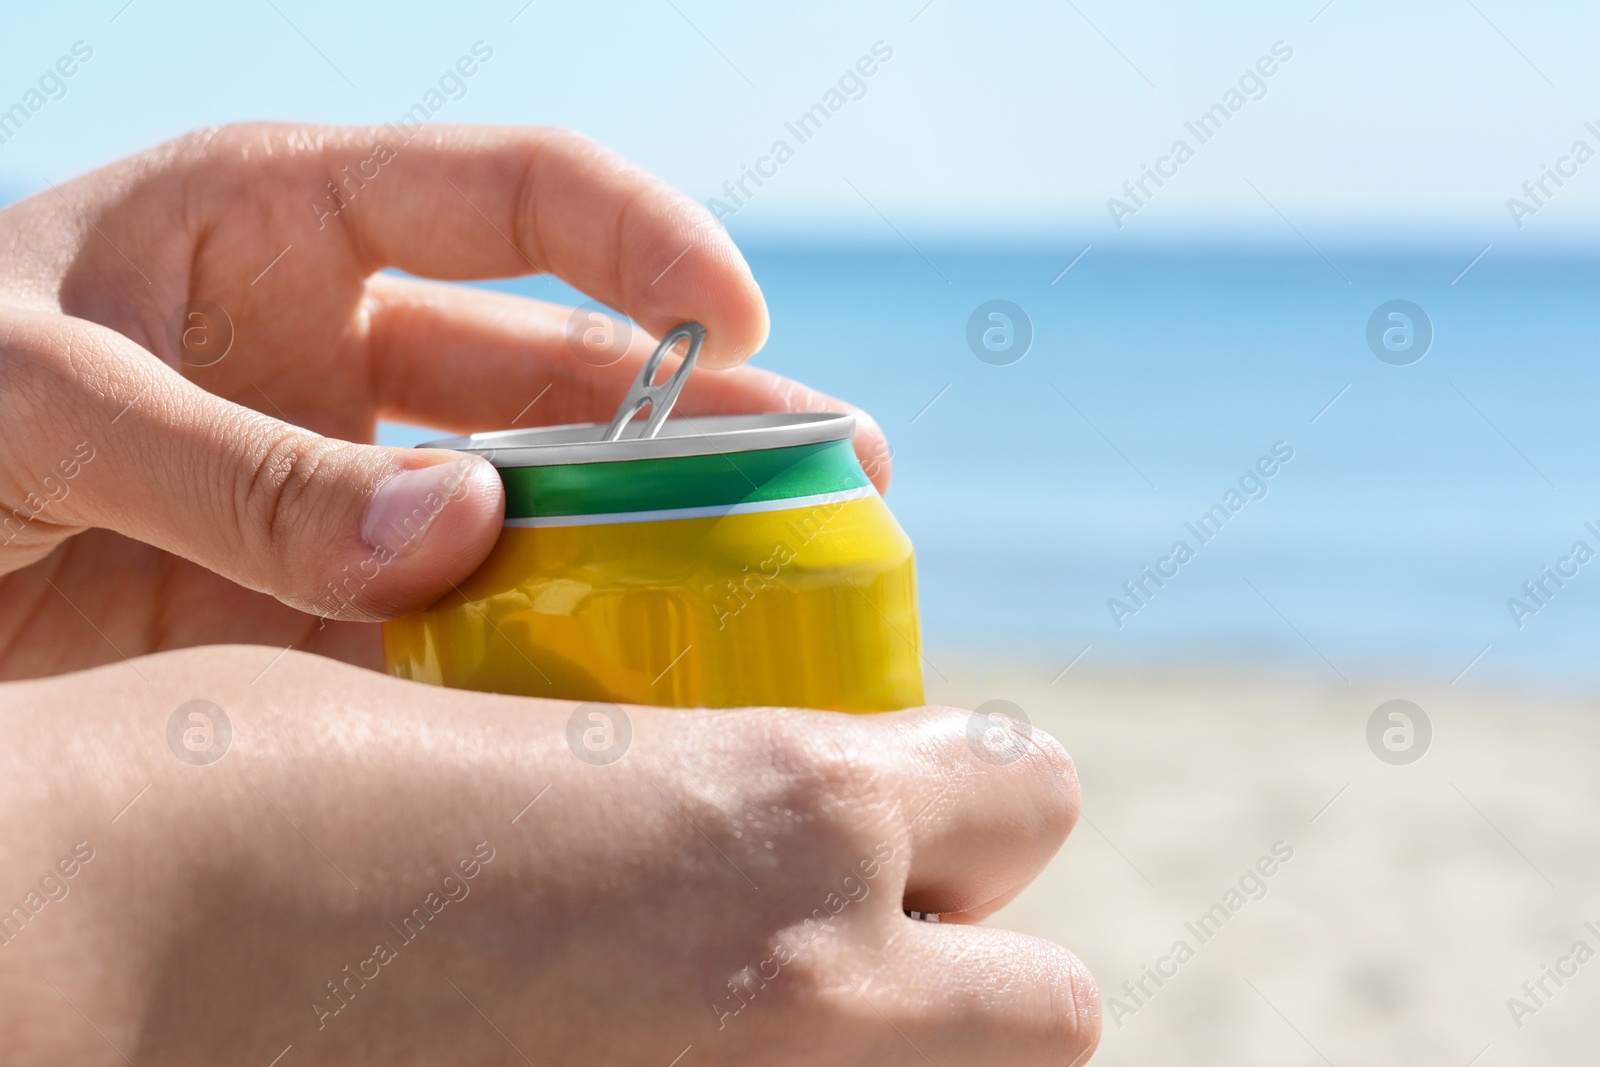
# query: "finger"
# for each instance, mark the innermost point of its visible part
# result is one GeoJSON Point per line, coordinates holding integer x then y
{"type": "Point", "coordinates": [973, 994]}
{"type": "Point", "coordinates": [469, 359]}
{"type": "Point", "coordinates": [498, 201]}
{"type": "Point", "coordinates": [981, 821]}
{"type": "Point", "coordinates": [343, 530]}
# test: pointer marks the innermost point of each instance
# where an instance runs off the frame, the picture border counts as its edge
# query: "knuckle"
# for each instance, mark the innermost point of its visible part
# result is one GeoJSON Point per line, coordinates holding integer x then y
{"type": "Point", "coordinates": [829, 997]}
{"type": "Point", "coordinates": [807, 983]}
{"type": "Point", "coordinates": [217, 167]}
{"type": "Point", "coordinates": [821, 762]}
{"type": "Point", "coordinates": [819, 767]}
{"type": "Point", "coordinates": [568, 136]}
{"type": "Point", "coordinates": [44, 402]}
{"type": "Point", "coordinates": [225, 140]}
{"type": "Point", "coordinates": [567, 140]}
{"type": "Point", "coordinates": [272, 502]}
{"type": "Point", "coordinates": [205, 152]}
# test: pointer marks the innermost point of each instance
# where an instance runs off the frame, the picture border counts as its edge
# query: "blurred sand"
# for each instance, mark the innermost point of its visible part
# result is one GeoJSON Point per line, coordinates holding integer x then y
{"type": "Point", "coordinates": [1413, 907]}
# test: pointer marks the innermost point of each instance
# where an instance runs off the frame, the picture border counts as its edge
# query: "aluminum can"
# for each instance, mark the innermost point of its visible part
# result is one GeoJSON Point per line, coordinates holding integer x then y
{"type": "Point", "coordinates": [728, 561]}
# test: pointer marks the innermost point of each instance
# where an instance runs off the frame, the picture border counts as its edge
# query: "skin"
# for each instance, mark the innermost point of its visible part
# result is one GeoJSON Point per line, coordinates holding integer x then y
{"type": "Point", "coordinates": [171, 514]}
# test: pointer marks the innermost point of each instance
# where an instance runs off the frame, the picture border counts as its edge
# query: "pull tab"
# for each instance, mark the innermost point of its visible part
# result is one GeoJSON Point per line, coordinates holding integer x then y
{"type": "Point", "coordinates": [659, 397]}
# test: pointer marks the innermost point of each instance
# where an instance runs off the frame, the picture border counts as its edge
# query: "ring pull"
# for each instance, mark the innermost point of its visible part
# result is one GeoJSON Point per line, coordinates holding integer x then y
{"type": "Point", "coordinates": [659, 397]}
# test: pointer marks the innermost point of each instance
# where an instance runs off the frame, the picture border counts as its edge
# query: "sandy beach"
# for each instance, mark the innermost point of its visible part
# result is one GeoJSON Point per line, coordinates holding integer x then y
{"type": "Point", "coordinates": [1417, 899]}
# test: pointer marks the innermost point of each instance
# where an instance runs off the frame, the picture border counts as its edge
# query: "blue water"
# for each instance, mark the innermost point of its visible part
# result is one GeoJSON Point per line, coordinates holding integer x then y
{"type": "Point", "coordinates": [1412, 509]}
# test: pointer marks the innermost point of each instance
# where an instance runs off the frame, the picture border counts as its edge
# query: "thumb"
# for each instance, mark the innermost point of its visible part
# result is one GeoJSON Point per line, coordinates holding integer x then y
{"type": "Point", "coordinates": [347, 531]}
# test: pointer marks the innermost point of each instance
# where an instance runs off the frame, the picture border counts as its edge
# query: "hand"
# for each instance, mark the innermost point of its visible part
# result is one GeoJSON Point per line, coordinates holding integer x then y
{"type": "Point", "coordinates": [153, 499]}
{"type": "Point", "coordinates": [734, 882]}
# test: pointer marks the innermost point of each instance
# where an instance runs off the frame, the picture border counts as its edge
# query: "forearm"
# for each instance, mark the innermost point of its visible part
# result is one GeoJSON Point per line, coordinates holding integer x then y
{"type": "Point", "coordinates": [340, 794]}
{"type": "Point", "coordinates": [238, 890]}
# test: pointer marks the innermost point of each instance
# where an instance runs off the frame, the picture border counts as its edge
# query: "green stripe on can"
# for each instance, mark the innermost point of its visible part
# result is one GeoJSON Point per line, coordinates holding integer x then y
{"type": "Point", "coordinates": [715, 511]}
{"type": "Point", "coordinates": [682, 481]}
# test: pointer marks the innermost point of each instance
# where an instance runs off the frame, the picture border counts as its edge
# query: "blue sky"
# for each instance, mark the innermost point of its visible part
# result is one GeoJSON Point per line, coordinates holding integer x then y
{"type": "Point", "coordinates": [1389, 122]}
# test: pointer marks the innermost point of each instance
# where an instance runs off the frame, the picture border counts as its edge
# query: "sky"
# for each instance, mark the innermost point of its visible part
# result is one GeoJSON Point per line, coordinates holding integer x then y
{"type": "Point", "coordinates": [1375, 145]}
{"type": "Point", "coordinates": [1388, 123]}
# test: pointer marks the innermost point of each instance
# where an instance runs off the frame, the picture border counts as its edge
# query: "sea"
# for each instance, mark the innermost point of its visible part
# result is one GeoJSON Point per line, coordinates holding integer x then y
{"type": "Point", "coordinates": [1064, 418]}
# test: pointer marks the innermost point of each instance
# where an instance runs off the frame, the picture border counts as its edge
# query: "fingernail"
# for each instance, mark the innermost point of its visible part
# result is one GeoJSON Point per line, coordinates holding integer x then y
{"type": "Point", "coordinates": [405, 505]}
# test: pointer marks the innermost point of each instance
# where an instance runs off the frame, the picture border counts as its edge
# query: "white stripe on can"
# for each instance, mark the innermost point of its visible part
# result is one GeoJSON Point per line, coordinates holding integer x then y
{"type": "Point", "coordinates": [711, 511]}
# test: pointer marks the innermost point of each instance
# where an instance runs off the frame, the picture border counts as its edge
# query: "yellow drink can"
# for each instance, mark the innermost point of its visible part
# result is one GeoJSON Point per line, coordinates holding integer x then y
{"type": "Point", "coordinates": [730, 561]}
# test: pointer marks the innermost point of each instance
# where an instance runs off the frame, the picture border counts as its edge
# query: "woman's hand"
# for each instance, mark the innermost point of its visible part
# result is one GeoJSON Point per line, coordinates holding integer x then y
{"type": "Point", "coordinates": [378, 872]}
{"type": "Point", "coordinates": [191, 338]}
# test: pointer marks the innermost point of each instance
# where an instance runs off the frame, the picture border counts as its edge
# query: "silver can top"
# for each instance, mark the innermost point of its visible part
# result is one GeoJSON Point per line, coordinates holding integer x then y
{"type": "Point", "coordinates": [549, 446]}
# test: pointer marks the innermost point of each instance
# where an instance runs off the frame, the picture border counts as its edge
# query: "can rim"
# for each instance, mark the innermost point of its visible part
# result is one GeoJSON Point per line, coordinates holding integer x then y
{"type": "Point", "coordinates": [680, 436]}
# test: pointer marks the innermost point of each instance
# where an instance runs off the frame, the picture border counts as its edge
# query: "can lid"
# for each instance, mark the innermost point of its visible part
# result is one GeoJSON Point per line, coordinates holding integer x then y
{"type": "Point", "coordinates": [548, 446]}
